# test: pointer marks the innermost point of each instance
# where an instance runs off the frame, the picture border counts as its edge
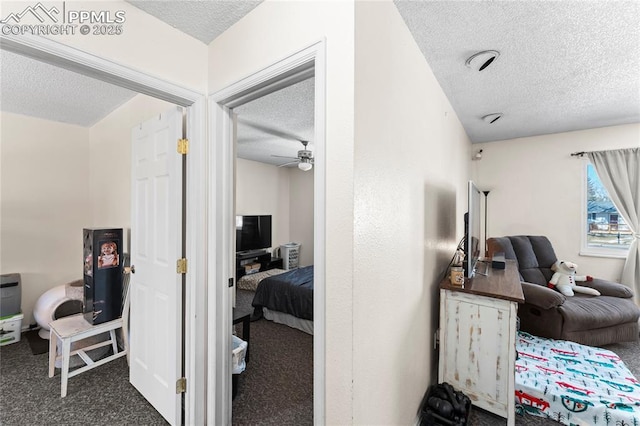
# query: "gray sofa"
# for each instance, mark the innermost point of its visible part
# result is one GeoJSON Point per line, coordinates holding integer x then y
{"type": "Point", "coordinates": [590, 320]}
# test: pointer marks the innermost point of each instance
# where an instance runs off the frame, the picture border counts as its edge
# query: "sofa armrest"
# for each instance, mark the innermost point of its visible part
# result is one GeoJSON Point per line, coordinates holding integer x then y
{"type": "Point", "coordinates": [542, 297]}
{"type": "Point", "coordinates": [609, 288]}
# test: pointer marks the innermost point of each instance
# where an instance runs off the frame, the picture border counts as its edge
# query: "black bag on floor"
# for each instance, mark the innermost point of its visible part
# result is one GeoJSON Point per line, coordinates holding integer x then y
{"type": "Point", "coordinates": [444, 406]}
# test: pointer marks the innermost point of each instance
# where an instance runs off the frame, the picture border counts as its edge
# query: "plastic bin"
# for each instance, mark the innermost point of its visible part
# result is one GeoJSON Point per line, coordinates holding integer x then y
{"type": "Point", "coordinates": [10, 328]}
{"type": "Point", "coordinates": [238, 363]}
{"type": "Point", "coordinates": [238, 353]}
{"type": "Point", "coordinates": [10, 294]}
{"type": "Point", "coordinates": [290, 254]}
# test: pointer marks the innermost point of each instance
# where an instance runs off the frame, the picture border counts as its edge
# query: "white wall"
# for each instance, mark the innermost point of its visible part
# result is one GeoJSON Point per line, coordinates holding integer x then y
{"type": "Point", "coordinates": [411, 168]}
{"type": "Point", "coordinates": [284, 193]}
{"type": "Point", "coordinates": [536, 188]}
{"type": "Point", "coordinates": [57, 179]}
{"type": "Point", "coordinates": [270, 32]}
{"type": "Point", "coordinates": [301, 213]}
{"type": "Point", "coordinates": [110, 159]}
{"type": "Point", "coordinates": [146, 43]}
{"type": "Point", "coordinates": [183, 61]}
{"type": "Point", "coordinates": [44, 203]}
{"type": "Point", "coordinates": [264, 189]}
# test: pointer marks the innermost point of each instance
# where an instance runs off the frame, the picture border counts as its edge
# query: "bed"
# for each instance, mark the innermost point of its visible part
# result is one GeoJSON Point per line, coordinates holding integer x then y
{"type": "Point", "coordinates": [287, 298]}
{"type": "Point", "coordinates": [250, 282]}
{"type": "Point", "coordinates": [574, 384]}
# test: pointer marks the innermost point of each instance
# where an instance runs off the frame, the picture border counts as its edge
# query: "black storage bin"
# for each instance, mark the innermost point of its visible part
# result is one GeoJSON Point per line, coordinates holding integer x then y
{"type": "Point", "coordinates": [102, 251]}
{"type": "Point", "coordinates": [444, 406]}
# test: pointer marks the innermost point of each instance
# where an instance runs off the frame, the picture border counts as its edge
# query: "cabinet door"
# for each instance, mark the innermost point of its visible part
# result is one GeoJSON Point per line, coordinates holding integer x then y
{"type": "Point", "coordinates": [477, 348]}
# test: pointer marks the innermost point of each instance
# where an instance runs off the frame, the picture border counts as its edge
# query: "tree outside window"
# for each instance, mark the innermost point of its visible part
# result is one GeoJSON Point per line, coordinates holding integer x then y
{"type": "Point", "coordinates": [605, 227]}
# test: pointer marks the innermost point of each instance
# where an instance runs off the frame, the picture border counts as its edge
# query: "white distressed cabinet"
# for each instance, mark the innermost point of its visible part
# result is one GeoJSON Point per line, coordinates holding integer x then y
{"type": "Point", "coordinates": [477, 339]}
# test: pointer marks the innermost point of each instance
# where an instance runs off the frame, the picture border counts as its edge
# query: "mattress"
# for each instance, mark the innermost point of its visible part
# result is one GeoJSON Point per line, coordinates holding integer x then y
{"type": "Point", "coordinates": [291, 293]}
{"type": "Point", "coordinates": [290, 320]}
{"type": "Point", "coordinates": [574, 384]}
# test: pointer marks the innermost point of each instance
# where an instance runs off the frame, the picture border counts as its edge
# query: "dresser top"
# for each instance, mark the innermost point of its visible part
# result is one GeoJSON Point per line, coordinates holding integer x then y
{"type": "Point", "coordinates": [498, 283]}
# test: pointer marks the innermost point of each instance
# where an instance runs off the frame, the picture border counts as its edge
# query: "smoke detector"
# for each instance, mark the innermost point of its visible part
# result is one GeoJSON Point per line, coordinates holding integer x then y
{"type": "Point", "coordinates": [492, 118]}
{"type": "Point", "coordinates": [482, 60]}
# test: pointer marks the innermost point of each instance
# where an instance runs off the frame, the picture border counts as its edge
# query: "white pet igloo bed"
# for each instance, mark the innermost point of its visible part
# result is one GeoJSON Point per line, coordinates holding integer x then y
{"type": "Point", "coordinates": [53, 299]}
{"type": "Point", "coordinates": [52, 305]}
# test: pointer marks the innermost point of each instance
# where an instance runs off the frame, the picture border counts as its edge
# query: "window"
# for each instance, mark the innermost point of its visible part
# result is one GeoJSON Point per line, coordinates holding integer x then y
{"type": "Point", "coordinates": [606, 233]}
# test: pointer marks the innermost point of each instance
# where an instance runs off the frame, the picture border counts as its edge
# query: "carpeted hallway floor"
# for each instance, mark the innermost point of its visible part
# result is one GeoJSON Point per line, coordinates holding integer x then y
{"type": "Point", "coordinates": [276, 388]}
{"type": "Point", "coordinates": [102, 396]}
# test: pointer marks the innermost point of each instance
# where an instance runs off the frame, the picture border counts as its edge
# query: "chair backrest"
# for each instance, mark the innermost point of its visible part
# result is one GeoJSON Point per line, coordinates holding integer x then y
{"type": "Point", "coordinates": [126, 276]}
{"type": "Point", "coordinates": [534, 255]}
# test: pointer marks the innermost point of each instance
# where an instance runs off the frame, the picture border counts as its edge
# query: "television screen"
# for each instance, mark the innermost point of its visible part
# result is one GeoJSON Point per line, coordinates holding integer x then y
{"type": "Point", "coordinates": [472, 230]}
{"type": "Point", "coordinates": [253, 232]}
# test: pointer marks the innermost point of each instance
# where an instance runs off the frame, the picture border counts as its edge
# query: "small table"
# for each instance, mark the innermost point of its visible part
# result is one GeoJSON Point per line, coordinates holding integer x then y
{"type": "Point", "coordinates": [245, 319]}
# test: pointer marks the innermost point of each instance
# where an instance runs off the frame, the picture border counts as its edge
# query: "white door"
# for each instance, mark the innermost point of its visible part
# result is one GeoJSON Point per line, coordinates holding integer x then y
{"type": "Point", "coordinates": [156, 206]}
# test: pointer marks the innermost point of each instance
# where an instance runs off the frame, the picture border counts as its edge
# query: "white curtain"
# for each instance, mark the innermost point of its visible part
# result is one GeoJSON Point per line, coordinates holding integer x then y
{"type": "Point", "coordinates": [619, 171]}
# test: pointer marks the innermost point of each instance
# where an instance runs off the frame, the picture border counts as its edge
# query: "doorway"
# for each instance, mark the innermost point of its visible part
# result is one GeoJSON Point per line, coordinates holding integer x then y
{"type": "Point", "coordinates": [49, 51]}
{"type": "Point", "coordinates": [274, 246]}
{"type": "Point", "coordinates": [295, 68]}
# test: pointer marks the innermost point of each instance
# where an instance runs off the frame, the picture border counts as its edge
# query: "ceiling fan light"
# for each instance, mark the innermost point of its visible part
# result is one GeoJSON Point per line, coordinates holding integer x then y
{"type": "Point", "coordinates": [305, 166]}
{"type": "Point", "coordinates": [482, 60]}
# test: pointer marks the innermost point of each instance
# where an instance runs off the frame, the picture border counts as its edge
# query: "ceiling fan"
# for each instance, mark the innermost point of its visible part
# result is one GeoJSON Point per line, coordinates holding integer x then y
{"type": "Point", "coordinates": [304, 158]}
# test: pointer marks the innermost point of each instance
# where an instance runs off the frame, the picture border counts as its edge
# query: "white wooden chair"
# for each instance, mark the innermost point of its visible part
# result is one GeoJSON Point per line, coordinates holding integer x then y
{"type": "Point", "coordinates": [74, 328]}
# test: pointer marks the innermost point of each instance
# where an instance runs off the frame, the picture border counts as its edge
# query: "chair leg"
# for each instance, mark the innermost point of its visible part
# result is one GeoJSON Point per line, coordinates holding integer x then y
{"type": "Point", "coordinates": [66, 351]}
{"type": "Point", "coordinates": [114, 341]}
{"type": "Point", "coordinates": [53, 348]}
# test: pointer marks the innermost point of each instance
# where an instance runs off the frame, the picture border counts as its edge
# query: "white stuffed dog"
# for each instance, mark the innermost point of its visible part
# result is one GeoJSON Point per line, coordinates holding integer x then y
{"type": "Point", "coordinates": [564, 279]}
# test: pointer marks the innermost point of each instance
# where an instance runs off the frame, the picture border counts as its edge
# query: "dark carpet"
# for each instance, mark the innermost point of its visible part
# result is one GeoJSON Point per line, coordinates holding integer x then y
{"type": "Point", "coordinates": [102, 396]}
{"type": "Point", "coordinates": [37, 344]}
{"type": "Point", "coordinates": [275, 389]}
{"type": "Point", "coordinates": [277, 386]}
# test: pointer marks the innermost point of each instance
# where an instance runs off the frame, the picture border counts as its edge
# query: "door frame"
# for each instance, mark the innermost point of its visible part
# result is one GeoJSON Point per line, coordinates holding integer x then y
{"type": "Point", "coordinates": [58, 54]}
{"type": "Point", "coordinates": [307, 62]}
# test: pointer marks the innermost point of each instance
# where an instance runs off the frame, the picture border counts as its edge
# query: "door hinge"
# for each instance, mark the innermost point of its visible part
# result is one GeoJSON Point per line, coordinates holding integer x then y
{"type": "Point", "coordinates": [181, 385]}
{"type": "Point", "coordinates": [181, 267]}
{"type": "Point", "coordinates": [183, 146]}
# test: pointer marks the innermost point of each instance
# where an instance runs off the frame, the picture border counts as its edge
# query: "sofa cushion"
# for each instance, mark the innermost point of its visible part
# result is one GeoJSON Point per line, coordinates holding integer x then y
{"type": "Point", "coordinates": [590, 313]}
{"type": "Point", "coordinates": [535, 256]}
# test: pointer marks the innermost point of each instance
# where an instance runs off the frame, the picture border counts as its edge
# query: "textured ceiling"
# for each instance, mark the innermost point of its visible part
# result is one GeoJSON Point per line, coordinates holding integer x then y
{"type": "Point", "coordinates": [37, 89]}
{"type": "Point", "coordinates": [204, 20]}
{"type": "Point", "coordinates": [276, 123]}
{"type": "Point", "coordinates": [563, 65]}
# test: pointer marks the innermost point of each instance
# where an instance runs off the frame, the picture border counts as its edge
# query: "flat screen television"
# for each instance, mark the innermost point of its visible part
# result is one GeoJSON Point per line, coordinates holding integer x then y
{"type": "Point", "coordinates": [472, 230]}
{"type": "Point", "coordinates": [253, 233]}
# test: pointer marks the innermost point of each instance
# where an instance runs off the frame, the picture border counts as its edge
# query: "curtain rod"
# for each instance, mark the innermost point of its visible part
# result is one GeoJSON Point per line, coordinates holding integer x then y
{"type": "Point", "coordinates": [583, 153]}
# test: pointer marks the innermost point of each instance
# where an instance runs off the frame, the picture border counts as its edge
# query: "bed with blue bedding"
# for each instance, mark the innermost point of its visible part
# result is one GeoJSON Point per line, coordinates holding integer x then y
{"type": "Point", "coordinates": [287, 298]}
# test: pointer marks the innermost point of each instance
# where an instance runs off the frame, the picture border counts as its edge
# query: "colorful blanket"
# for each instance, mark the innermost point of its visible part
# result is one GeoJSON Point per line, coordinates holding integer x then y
{"type": "Point", "coordinates": [574, 384]}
